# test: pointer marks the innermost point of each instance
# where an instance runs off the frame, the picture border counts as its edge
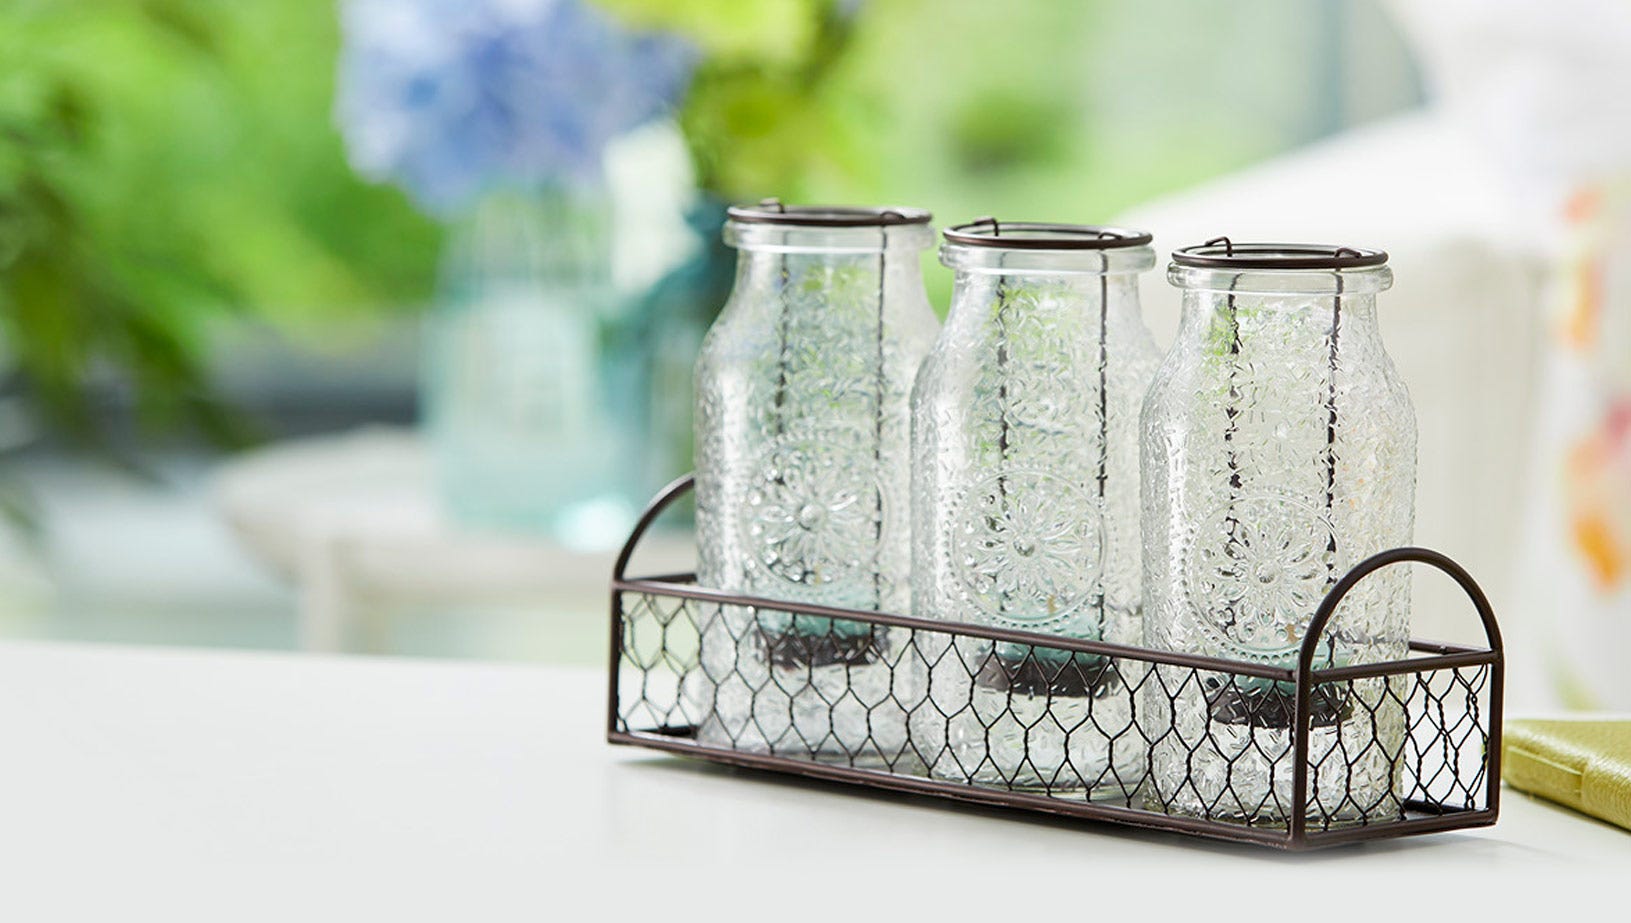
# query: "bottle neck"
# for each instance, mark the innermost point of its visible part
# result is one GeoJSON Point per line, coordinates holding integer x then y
{"type": "Point", "coordinates": [1223, 308]}
{"type": "Point", "coordinates": [868, 270]}
{"type": "Point", "coordinates": [759, 239]}
{"type": "Point", "coordinates": [979, 297]}
{"type": "Point", "coordinates": [1054, 286]}
{"type": "Point", "coordinates": [1223, 321]}
{"type": "Point", "coordinates": [528, 238]}
{"type": "Point", "coordinates": [769, 270]}
{"type": "Point", "coordinates": [1057, 284]}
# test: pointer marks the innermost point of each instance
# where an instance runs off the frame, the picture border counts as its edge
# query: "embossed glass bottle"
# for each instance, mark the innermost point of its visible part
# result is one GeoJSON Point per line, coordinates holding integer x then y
{"type": "Point", "coordinates": [1025, 504]}
{"type": "Point", "coordinates": [802, 451]}
{"type": "Point", "coordinates": [1279, 450]}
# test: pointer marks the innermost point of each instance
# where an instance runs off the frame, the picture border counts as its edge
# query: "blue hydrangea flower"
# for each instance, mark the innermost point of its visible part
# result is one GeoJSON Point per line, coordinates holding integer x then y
{"type": "Point", "coordinates": [449, 98]}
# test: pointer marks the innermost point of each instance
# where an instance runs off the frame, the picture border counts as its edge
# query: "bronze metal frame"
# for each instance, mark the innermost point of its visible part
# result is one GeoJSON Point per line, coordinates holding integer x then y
{"type": "Point", "coordinates": [1421, 816]}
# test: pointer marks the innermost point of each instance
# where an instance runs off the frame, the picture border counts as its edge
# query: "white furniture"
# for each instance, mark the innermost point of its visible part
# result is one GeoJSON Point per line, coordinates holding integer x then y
{"type": "Point", "coordinates": [141, 784]}
{"type": "Point", "coordinates": [353, 521]}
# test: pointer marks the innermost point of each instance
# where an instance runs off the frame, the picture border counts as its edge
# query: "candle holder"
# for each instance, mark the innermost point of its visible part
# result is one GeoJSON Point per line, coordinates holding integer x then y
{"type": "Point", "coordinates": [801, 447]}
{"type": "Point", "coordinates": [1278, 451]}
{"type": "Point", "coordinates": [1446, 765]}
{"type": "Point", "coordinates": [1025, 495]}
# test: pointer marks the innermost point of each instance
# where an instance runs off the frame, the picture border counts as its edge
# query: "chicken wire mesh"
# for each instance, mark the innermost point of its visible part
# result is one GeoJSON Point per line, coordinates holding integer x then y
{"type": "Point", "coordinates": [1293, 758]}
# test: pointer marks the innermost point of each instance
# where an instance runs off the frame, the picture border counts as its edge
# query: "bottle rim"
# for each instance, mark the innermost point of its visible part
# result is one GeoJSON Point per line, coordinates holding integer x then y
{"type": "Point", "coordinates": [1223, 253]}
{"type": "Point", "coordinates": [772, 211]}
{"type": "Point", "coordinates": [1044, 235]}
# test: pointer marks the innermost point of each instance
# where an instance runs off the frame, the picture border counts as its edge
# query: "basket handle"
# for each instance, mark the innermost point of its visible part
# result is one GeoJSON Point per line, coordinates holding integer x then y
{"type": "Point", "coordinates": [1328, 606]}
{"type": "Point", "coordinates": [1311, 642]}
{"type": "Point", "coordinates": [675, 490]}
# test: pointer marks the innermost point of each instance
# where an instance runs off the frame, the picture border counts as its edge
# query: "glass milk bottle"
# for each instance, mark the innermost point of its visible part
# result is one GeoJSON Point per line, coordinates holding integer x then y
{"type": "Point", "coordinates": [1025, 504]}
{"type": "Point", "coordinates": [801, 479]}
{"type": "Point", "coordinates": [1279, 450]}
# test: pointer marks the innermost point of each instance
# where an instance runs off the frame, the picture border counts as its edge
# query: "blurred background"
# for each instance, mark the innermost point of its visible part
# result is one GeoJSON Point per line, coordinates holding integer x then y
{"type": "Point", "coordinates": [368, 325]}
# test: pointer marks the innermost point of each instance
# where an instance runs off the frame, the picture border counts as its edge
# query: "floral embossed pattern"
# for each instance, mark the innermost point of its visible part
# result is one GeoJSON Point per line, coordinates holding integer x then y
{"type": "Point", "coordinates": [1026, 545]}
{"type": "Point", "coordinates": [1025, 515]}
{"type": "Point", "coordinates": [1278, 451]}
{"type": "Point", "coordinates": [812, 519]}
{"type": "Point", "coordinates": [802, 448]}
{"type": "Point", "coordinates": [1260, 566]}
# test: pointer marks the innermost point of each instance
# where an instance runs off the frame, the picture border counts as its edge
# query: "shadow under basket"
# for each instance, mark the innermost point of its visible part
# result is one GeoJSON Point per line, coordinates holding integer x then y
{"type": "Point", "coordinates": [1293, 758]}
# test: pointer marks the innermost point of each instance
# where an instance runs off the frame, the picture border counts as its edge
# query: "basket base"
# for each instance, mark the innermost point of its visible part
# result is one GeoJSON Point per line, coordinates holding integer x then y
{"type": "Point", "coordinates": [1280, 820]}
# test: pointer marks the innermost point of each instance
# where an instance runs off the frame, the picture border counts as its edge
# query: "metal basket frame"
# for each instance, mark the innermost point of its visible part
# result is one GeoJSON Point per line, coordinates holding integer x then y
{"type": "Point", "coordinates": [1421, 815]}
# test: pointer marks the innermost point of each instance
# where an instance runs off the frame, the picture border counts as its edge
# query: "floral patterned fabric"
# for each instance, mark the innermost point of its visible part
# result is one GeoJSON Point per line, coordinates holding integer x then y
{"type": "Point", "coordinates": [1577, 565]}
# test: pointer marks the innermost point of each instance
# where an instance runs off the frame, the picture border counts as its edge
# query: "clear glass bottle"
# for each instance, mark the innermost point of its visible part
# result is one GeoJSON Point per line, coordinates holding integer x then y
{"type": "Point", "coordinates": [801, 462]}
{"type": "Point", "coordinates": [1279, 450]}
{"type": "Point", "coordinates": [1025, 504]}
{"type": "Point", "coordinates": [531, 425]}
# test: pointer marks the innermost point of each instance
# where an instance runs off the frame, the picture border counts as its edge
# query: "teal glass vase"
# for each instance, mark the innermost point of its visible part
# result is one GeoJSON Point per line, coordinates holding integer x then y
{"type": "Point", "coordinates": [532, 422]}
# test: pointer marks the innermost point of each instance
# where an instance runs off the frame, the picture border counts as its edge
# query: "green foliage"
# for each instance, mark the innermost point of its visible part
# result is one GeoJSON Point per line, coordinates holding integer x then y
{"type": "Point", "coordinates": [165, 164]}
{"type": "Point", "coordinates": [764, 115]}
{"type": "Point", "coordinates": [966, 107]}
{"type": "Point", "coordinates": [1004, 129]}
{"type": "Point", "coordinates": [780, 31]}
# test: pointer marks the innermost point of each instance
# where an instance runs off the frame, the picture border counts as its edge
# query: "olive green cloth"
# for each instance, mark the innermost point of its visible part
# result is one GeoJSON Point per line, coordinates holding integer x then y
{"type": "Point", "coordinates": [1583, 763]}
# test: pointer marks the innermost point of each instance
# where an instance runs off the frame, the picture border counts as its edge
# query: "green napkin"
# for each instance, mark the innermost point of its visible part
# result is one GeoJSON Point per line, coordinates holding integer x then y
{"type": "Point", "coordinates": [1584, 763]}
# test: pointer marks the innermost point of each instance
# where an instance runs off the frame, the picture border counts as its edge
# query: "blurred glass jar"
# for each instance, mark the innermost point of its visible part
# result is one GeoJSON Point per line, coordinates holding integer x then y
{"type": "Point", "coordinates": [1279, 450]}
{"type": "Point", "coordinates": [533, 426]}
{"type": "Point", "coordinates": [802, 443]}
{"type": "Point", "coordinates": [1025, 503]}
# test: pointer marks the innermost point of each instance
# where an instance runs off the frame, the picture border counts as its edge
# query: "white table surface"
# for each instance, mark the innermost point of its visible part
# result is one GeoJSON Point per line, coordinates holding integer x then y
{"type": "Point", "coordinates": [179, 785]}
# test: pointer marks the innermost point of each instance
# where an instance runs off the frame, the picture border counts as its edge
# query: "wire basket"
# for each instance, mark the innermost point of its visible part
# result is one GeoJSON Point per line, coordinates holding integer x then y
{"type": "Point", "coordinates": [1267, 752]}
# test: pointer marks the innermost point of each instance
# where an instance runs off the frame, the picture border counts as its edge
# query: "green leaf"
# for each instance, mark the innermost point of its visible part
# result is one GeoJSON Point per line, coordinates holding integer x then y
{"type": "Point", "coordinates": [762, 30]}
{"type": "Point", "coordinates": [165, 164]}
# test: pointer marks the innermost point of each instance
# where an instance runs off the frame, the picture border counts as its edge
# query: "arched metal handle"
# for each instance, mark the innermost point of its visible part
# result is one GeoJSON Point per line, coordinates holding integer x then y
{"type": "Point", "coordinates": [1311, 643]}
{"type": "Point", "coordinates": [1328, 606]}
{"type": "Point", "coordinates": [665, 497]}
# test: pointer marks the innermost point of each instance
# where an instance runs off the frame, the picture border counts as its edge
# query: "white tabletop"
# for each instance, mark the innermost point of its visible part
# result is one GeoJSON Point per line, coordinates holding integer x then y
{"type": "Point", "coordinates": [221, 786]}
